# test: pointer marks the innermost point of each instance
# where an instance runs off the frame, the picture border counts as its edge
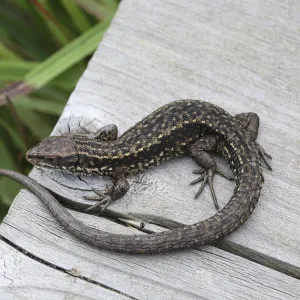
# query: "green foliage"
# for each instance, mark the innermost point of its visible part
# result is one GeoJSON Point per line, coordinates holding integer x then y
{"type": "Point", "coordinates": [44, 48]}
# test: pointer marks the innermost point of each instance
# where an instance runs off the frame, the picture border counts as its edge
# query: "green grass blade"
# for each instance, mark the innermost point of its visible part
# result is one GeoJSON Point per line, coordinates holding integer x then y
{"type": "Point", "coordinates": [15, 69]}
{"type": "Point", "coordinates": [13, 135]}
{"type": "Point", "coordinates": [17, 33]}
{"type": "Point", "coordinates": [56, 28]}
{"type": "Point", "coordinates": [8, 190]}
{"type": "Point", "coordinates": [7, 53]}
{"type": "Point", "coordinates": [41, 105]}
{"type": "Point", "coordinates": [35, 122]}
{"type": "Point", "coordinates": [68, 79]}
{"type": "Point", "coordinates": [67, 56]}
{"type": "Point", "coordinates": [110, 5]}
{"type": "Point", "coordinates": [7, 160]}
{"type": "Point", "coordinates": [51, 93]}
{"type": "Point", "coordinates": [77, 16]}
{"type": "Point", "coordinates": [94, 8]}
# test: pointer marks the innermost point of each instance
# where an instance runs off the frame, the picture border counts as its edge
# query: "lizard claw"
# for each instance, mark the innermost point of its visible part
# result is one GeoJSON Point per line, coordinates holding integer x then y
{"type": "Point", "coordinates": [105, 202]}
{"type": "Point", "coordinates": [103, 198]}
{"type": "Point", "coordinates": [207, 177]}
{"type": "Point", "coordinates": [223, 174]}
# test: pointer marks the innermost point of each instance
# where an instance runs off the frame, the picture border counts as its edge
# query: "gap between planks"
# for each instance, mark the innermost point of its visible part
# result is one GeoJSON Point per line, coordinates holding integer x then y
{"type": "Point", "coordinates": [225, 245]}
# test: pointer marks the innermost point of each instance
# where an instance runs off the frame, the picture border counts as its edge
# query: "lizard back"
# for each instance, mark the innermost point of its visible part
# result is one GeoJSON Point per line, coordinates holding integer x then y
{"type": "Point", "coordinates": [167, 132]}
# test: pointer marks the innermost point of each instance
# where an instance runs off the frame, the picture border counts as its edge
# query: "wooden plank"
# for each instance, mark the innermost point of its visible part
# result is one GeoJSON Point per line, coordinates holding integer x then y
{"type": "Point", "coordinates": [192, 274]}
{"type": "Point", "coordinates": [23, 277]}
{"type": "Point", "coordinates": [237, 54]}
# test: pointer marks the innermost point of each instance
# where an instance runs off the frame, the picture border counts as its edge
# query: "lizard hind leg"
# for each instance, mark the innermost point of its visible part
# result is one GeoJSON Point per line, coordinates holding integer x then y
{"type": "Point", "coordinates": [199, 153]}
{"type": "Point", "coordinates": [250, 123]}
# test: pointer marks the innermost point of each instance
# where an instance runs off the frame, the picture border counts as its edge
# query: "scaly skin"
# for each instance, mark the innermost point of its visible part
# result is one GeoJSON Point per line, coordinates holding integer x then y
{"type": "Point", "coordinates": [170, 131]}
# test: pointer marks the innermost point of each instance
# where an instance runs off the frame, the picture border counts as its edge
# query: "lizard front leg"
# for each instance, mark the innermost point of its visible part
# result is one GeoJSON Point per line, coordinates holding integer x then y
{"type": "Point", "coordinates": [120, 183]}
{"type": "Point", "coordinates": [119, 188]}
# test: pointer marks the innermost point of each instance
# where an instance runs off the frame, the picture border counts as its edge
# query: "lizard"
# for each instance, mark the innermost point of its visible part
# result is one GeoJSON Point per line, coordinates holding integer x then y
{"type": "Point", "coordinates": [183, 127]}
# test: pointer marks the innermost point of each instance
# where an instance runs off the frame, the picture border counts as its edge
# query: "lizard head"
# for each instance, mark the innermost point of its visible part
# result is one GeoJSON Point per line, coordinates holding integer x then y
{"type": "Point", "coordinates": [54, 152]}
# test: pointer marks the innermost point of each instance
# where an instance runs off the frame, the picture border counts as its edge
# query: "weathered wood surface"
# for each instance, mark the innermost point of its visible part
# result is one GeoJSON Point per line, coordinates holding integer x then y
{"type": "Point", "coordinates": [207, 274]}
{"type": "Point", "coordinates": [241, 55]}
{"type": "Point", "coordinates": [22, 277]}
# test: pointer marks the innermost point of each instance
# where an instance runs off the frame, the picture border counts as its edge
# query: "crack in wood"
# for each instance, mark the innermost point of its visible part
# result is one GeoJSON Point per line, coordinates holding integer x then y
{"type": "Point", "coordinates": [71, 272]}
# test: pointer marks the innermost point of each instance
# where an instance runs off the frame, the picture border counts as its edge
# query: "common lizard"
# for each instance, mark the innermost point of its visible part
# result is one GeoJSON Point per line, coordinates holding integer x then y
{"type": "Point", "coordinates": [184, 127]}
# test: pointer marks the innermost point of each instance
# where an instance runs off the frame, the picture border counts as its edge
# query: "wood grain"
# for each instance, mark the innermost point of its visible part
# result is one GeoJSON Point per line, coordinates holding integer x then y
{"type": "Point", "coordinates": [240, 55]}
{"type": "Point", "coordinates": [207, 274]}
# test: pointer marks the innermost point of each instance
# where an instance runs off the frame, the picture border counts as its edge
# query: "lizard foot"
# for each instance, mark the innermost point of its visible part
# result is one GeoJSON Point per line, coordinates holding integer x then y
{"type": "Point", "coordinates": [103, 198]}
{"type": "Point", "coordinates": [207, 177]}
{"type": "Point", "coordinates": [116, 191]}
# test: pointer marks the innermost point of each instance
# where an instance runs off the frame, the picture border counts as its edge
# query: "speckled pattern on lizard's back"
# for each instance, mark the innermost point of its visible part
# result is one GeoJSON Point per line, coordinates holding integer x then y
{"type": "Point", "coordinates": [167, 132]}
